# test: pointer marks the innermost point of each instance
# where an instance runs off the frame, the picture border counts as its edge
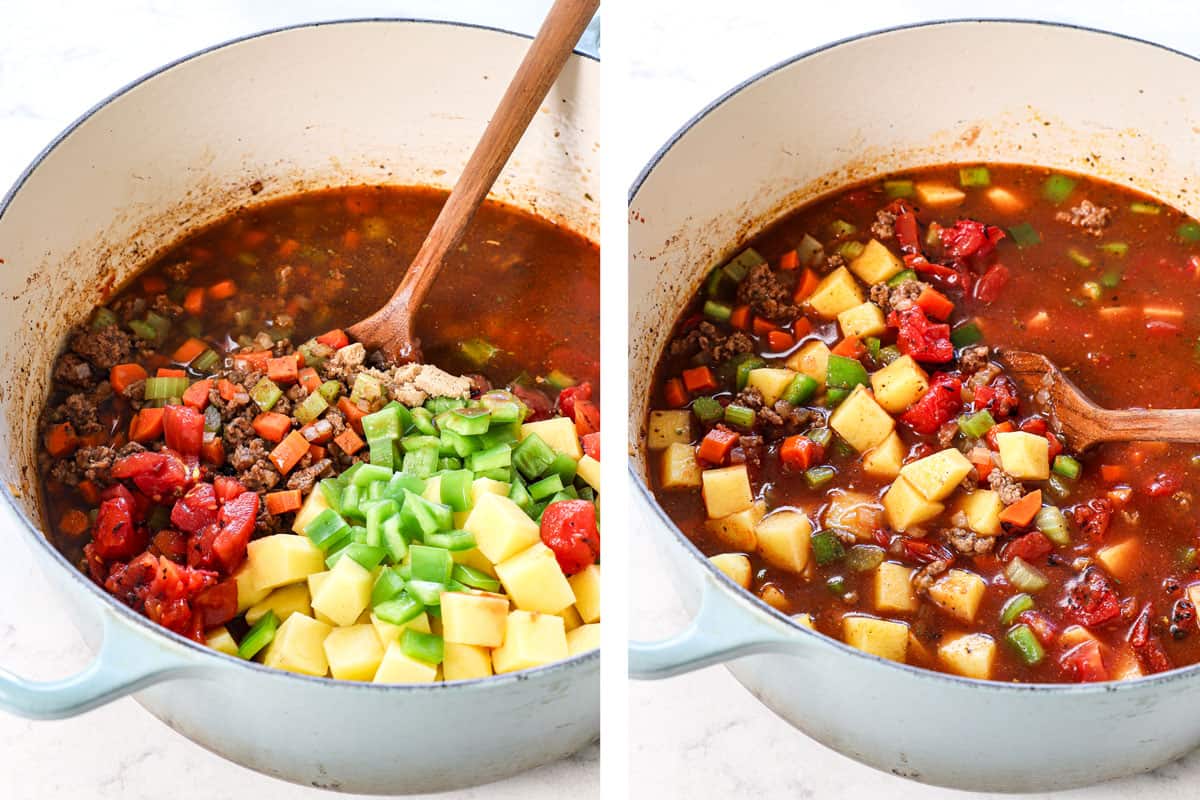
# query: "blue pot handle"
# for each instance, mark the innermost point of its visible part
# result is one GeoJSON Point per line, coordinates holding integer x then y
{"type": "Point", "coordinates": [724, 629]}
{"type": "Point", "coordinates": [126, 663]}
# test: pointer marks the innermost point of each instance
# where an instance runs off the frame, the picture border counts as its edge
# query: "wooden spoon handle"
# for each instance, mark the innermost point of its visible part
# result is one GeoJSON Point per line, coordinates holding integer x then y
{"type": "Point", "coordinates": [1152, 425]}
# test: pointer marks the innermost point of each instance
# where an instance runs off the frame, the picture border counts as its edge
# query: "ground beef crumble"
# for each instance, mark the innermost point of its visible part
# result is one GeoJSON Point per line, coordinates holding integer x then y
{"type": "Point", "coordinates": [1005, 485]}
{"type": "Point", "coordinates": [884, 226]}
{"type": "Point", "coordinates": [767, 294]}
{"type": "Point", "coordinates": [1088, 216]}
{"type": "Point", "coordinates": [707, 345]}
{"type": "Point", "coordinates": [897, 298]}
{"type": "Point", "coordinates": [968, 542]}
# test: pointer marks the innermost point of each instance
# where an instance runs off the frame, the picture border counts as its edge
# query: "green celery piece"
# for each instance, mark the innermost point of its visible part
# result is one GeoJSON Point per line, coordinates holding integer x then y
{"type": "Point", "coordinates": [367, 390]}
{"type": "Point", "coordinates": [265, 393]}
{"type": "Point", "coordinates": [330, 390]}
{"type": "Point", "coordinates": [311, 408]}
{"type": "Point", "coordinates": [259, 636]}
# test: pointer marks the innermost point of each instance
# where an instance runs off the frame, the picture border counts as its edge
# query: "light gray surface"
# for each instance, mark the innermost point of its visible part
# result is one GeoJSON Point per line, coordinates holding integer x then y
{"type": "Point", "coordinates": [703, 735]}
{"type": "Point", "coordinates": [57, 59]}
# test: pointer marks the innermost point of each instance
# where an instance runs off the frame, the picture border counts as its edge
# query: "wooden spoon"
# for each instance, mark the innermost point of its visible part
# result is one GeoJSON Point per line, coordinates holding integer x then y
{"type": "Point", "coordinates": [390, 329]}
{"type": "Point", "coordinates": [1083, 422]}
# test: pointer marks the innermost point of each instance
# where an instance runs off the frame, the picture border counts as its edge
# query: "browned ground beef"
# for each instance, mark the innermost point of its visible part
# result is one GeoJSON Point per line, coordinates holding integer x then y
{"type": "Point", "coordinates": [709, 345]}
{"type": "Point", "coordinates": [884, 226]}
{"type": "Point", "coordinates": [80, 411]}
{"type": "Point", "coordinates": [303, 479]}
{"type": "Point", "coordinates": [785, 419]}
{"type": "Point", "coordinates": [1093, 219]}
{"type": "Point", "coordinates": [164, 306]}
{"type": "Point", "coordinates": [105, 348]}
{"type": "Point", "coordinates": [254, 468]}
{"type": "Point", "coordinates": [1005, 485]}
{"type": "Point", "coordinates": [834, 262]}
{"type": "Point", "coordinates": [767, 294]}
{"type": "Point", "coordinates": [893, 298]}
{"type": "Point", "coordinates": [972, 359]}
{"type": "Point", "coordinates": [968, 542]}
{"type": "Point", "coordinates": [923, 578]}
{"type": "Point", "coordinates": [72, 370]}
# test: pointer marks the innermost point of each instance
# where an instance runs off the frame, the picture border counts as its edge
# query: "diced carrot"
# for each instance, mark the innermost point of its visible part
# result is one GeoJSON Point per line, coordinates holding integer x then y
{"type": "Point", "coordinates": [351, 239]}
{"type": "Point", "coordinates": [699, 379]}
{"type": "Point", "coordinates": [806, 285]}
{"type": "Point", "coordinates": [336, 338]}
{"type": "Point", "coordinates": [272, 426]}
{"type": "Point", "coordinates": [254, 238]}
{"type": "Point", "coordinates": [289, 452]}
{"type": "Point", "coordinates": [801, 328]}
{"type": "Point", "coordinates": [316, 451]}
{"type": "Point", "coordinates": [1113, 473]}
{"type": "Point", "coordinates": [351, 412]}
{"type": "Point", "coordinates": [800, 452]}
{"type": "Point", "coordinates": [122, 376]}
{"type": "Point", "coordinates": [285, 369]}
{"type": "Point", "coordinates": [935, 304]}
{"type": "Point", "coordinates": [311, 433]}
{"type": "Point", "coordinates": [282, 502]}
{"type": "Point", "coordinates": [309, 379]}
{"type": "Point", "coordinates": [716, 444]}
{"type": "Point", "coordinates": [1152, 448]}
{"type": "Point", "coordinates": [362, 203]}
{"type": "Point", "coordinates": [228, 389]}
{"type": "Point", "coordinates": [1022, 512]}
{"type": "Point", "coordinates": [154, 284]}
{"type": "Point", "coordinates": [168, 372]}
{"type": "Point", "coordinates": [982, 459]}
{"type": "Point", "coordinates": [287, 247]}
{"type": "Point", "coordinates": [673, 392]}
{"type": "Point", "coordinates": [740, 318]}
{"type": "Point", "coordinates": [193, 301]}
{"type": "Point", "coordinates": [93, 439]}
{"type": "Point", "coordinates": [187, 352]}
{"type": "Point", "coordinates": [850, 347]}
{"type": "Point", "coordinates": [763, 326]}
{"type": "Point", "coordinates": [89, 491]}
{"type": "Point", "coordinates": [196, 395]}
{"type": "Point", "coordinates": [349, 442]}
{"type": "Point", "coordinates": [61, 440]}
{"type": "Point", "coordinates": [255, 360]}
{"type": "Point", "coordinates": [74, 523]}
{"type": "Point", "coordinates": [789, 260]}
{"type": "Point", "coordinates": [212, 451]}
{"type": "Point", "coordinates": [779, 341]}
{"type": "Point", "coordinates": [222, 290]}
{"type": "Point", "coordinates": [146, 425]}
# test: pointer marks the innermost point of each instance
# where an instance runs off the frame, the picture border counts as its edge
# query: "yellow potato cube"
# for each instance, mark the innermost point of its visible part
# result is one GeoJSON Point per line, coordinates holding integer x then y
{"type": "Point", "coordinates": [396, 667]}
{"type": "Point", "coordinates": [285, 601]}
{"type": "Point", "coordinates": [900, 384]}
{"type": "Point", "coordinates": [856, 512]}
{"type": "Point", "coordinates": [836, 292]}
{"type": "Point", "coordinates": [906, 508]}
{"type": "Point", "coordinates": [971, 655]}
{"type": "Point", "coordinates": [584, 639]}
{"type": "Point", "coordinates": [1074, 635]}
{"type": "Point", "coordinates": [314, 504]}
{"type": "Point", "coordinates": [959, 593]}
{"type": "Point", "coordinates": [806, 620]}
{"type": "Point", "coordinates": [726, 491]}
{"type": "Point", "coordinates": [474, 559]}
{"type": "Point", "coordinates": [784, 539]}
{"type": "Point", "coordinates": [1193, 593]}
{"type": "Point", "coordinates": [344, 594]}
{"type": "Point", "coordinates": [534, 581]}
{"type": "Point", "coordinates": [474, 618]}
{"type": "Point", "coordinates": [482, 486]}
{"type": "Point", "coordinates": [669, 427]}
{"type": "Point", "coordinates": [282, 559]}
{"type": "Point", "coordinates": [220, 640]}
{"type": "Point", "coordinates": [501, 528]}
{"type": "Point", "coordinates": [737, 529]}
{"type": "Point", "coordinates": [876, 264]}
{"type": "Point", "coordinates": [1004, 200]}
{"type": "Point", "coordinates": [862, 320]}
{"type": "Point", "coordinates": [771, 383]}
{"type": "Point", "coordinates": [558, 432]}
{"type": "Point", "coordinates": [1025, 456]}
{"type": "Point", "coordinates": [463, 662]}
{"type": "Point", "coordinates": [314, 582]}
{"type": "Point", "coordinates": [1121, 558]}
{"type": "Point", "coordinates": [586, 585]}
{"type": "Point", "coordinates": [248, 595]}
{"type": "Point", "coordinates": [433, 489]}
{"type": "Point", "coordinates": [388, 633]}
{"type": "Point", "coordinates": [885, 459]}
{"type": "Point", "coordinates": [299, 646]}
{"type": "Point", "coordinates": [530, 639]}
{"type": "Point", "coordinates": [938, 195]}
{"type": "Point", "coordinates": [938, 475]}
{"type": "Point", "coordinates": [353, 653]}
{"type": "Point", "coordinates": [588, 468]}
{"type": "Point", "coordinates": [982, 509]}
{"type": "Point", "coordinates": [881, 637]}
{"type": "Point", "coordinates": [735, 565]}
{"type": "Point", "coordinates": [679, 469]}
{"type": "Point", "coordinates": [893, 588]}
{"type": "Point", "coordinates": [812, 360]}
{"type": "Point", "coordinates": [571, 618]}
{"type": "Point", "coordinates": [860, 420]}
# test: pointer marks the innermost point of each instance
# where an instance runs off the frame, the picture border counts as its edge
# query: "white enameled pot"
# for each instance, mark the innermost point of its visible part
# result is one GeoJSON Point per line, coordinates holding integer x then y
{"type": "Point", "coordinates": [370, 101]}
{"type": "Point", "coordinates": [1000, 91]}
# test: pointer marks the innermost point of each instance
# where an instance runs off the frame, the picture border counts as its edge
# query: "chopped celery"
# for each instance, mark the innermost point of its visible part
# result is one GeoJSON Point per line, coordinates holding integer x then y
{"type": "Point", "coordinates": [330, 390]}
{"type": "Point", "coordinates": [739, 416]}
{"type": "Point", "coordinates": [478, 351]}
{"type": "Point", "coordinates": [164, 388]}
{"type": "Point", "coordinates": [559, 379]}
{"type": "Point", "coordinates": [367, 390]}
{"type": "Point", "coordinates": [739, 266]}
{"type": "Point", "coordinates": [1024, 576]}
{"type": "Point", "coordinates": [1014, 607]}
{"type": "Point", "coordinates": [816, 477]}
{"type": "Point", "coordinates": [1118, 249]}
{"type": "Point", "coordinates": [1026, 643]}
{"type": "Point", "coordinates": [851, 250]}
{"type": "Point", "coordinates": [839, 228]}
{"type": "Point", "coordinates": [897, 188]}
{"type": "Point", "coordinates": [265, 393]}
{"type": "Point", "coordinates": [206, 361]}
{"type": "Point", "coordinates": [1078, 257]}
{"type": "Point", "coordinates": [707, 409]}
{"type": "Point", "coordinates": [310, 408]}
{"type": "Point", "coordinates": [259, 636]}
{"type": "Point", "coordinates": [718, 311]}
{"type": "Point", "coordinates": [103, 318]}
{"type": "Point", "coordinates": [810, 251]}
{"type": "Point", "coordinates": [744, 369]}
{"type": "Point", "coordinates": [1067, 466]}
{"type": "Point", "coordinates": [1145, 208]}
{"type": "Point", "coordinates": [821, 435]}
{"type": "Point", "coordinates": [864, 557]}
{"type": "Point", "coordinates": [977, 424]}
{"type": "Point", "coordinates": [1053, 523]}
{"type": "Point", "coordinates": [1058, 188]}
{"type": "Point", "coordinates": [800, 390]}
{"type": "Point", "coordinates": [971, 177]}
{"type": "Point", "coordinates": [900, 277]}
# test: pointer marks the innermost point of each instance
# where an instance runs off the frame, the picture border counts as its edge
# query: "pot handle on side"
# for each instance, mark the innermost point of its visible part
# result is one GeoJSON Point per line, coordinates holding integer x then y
{"type": "Point", "coordinates": [124, 664]}
{"type": "Point", "coordinates": [721, 631]}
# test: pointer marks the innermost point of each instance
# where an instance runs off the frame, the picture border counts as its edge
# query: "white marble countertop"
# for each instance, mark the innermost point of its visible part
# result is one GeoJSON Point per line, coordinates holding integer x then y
{"type": "Point", "coordinates": [703, 735]}
{"type": "Point", "coordinates": [57, 59]}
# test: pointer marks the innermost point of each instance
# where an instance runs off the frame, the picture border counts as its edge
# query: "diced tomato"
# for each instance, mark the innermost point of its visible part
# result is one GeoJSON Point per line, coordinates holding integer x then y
{"type": "Point", "coordinates": [716, 444]}
{"type": "Point", "coordinates": [168, 601]}
{"type": "Point", "coordinates": [227, 488]}
{"type": "Point", "coordinates": [1162, 485]}
{"type": "Point", "coordinates": [160, 475]}
{"type": "Point", "coordinates": [568, 396]}
{"type": "Point", "coordinates": [968, 238]}
{"type": "Point", "coordinates": [1149, 651]}
{"type": "Point", "coordinates": [937, 406]}
{"type": "Point", "coordinates": [918, 337]}
{"type": "Point", "coordinates": [1083, 663]}
{"type": "Point", "coordinates": [1092, 517]}
{"type": "Point", "coordinates": [587, 417]}
{"type": "Point", "coordinates": [956, 276]}
{"type": "Point", "coordinates": [170, 543]}
{"type": "Point", "coordinates": [237, 523]}
{"type": "Point", "coordinates": [1029, 547]}
{"type": "Point", "coordinates": [935, 304]}
{"type": "Point", "coordinates": [196, 395]}
{"type": "Point", "coordinates": [907, 233]}
{"type": "Point", "coordinates": [569, 529]}
{"type": "Point", "coordinates": [800, 452]}
{"type": "Point", "coordinates": [115, 536]}
{"type": "Point", "coordinates": [989, 285]}
{"type": "Point", "coordinates": [1090, 599]}
{"type": "Point", "coordinates": [196, 510]}
{"type": "Point", "coordinates": [130, 583]}
{"type": "Point", "coordinates": [1035, 424]}
{"type": "Point", "coordinates": [183, 429]}
{"type": "Point", "coordinates": [534, 399]}
{"type": "Point", "coordinates": [1041, 625]}
{"type": "Point", "coordinates": [217, 604]}
{"type": "Point", "coordinates": [923, 551]}
{"type": "Point", "coordinates": [591, 445]}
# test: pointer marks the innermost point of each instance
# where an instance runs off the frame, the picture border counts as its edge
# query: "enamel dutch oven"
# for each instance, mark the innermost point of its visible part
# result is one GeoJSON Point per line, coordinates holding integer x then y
{"type": "Point", "coordinates": [1024, 92]}
{"type": "Point", "coordinates": [281, 112]}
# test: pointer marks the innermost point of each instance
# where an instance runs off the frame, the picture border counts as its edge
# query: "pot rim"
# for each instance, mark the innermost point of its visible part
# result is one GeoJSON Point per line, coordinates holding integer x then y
{"type": "Point", "coordinates": [744, 598]}
{"type": "Point", "coordinates": [218, 658]}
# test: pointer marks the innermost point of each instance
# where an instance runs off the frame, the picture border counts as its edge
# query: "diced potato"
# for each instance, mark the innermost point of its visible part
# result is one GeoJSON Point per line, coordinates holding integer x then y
{"type": "Point", "coordinates": [876, 263]}
{"type": "Point", "coordinates": [388, 633]}
{"type": "Point", "coordinates": [284, 601]}
{"type": "Point", "coordinates": [248, 595]}
{"type": "Point", "coordinates": [1004, 200]}
{"type": "Point", "coordinates": [396, 667]}
{"type": "Point", "coordinates": [474, 618]}
{"type": "Point", "coordinates": [1074, 635]}
{"type": "Point", "coordinates": [726, 491]}
{"type": "Point", "coordinates": [1126, 665]}
{"type": "Point", "coordinates": [836, 292]}
{"type": "Point", "coordinates": [314, 582]}
{"type": "Point", "coordinates": [433, 489]}
{"type": "Point", "coordinates": [668, 427]}
{"type": "Point", "coordinates": [354, 653]}
{"type": "Point", "coordinates": [282, 559]}
{"type": "Point", "coordinates": [893, 588]}
{"type": "Point", "coordinates": [860, 420]}
{"type": "Point", "coordinates": [345, 593]}
{"type": "Point", "coordinates": [586, 585]}
{"type": "Point", "coordinates": [220, 640]}
{"type": "Point", "coordinates": [734, 565]}
{"type": "Point", "coordinates": [559, 433]}
{"type": "Point", "coordinates": [812, 360]}
{"type": "Point", "coordinates": [862, 321]}
{"type": "Point", "coordinates": [679, 469]}
{"type": "Point", "coordinates": [938, 195]}
{"type": "Point", "coordinates": [737, 529]}
{"type": "Point", "coordinates": [535, 582]}
{"type": "Point", "coordinates": [982, 509]}
{"type": "Point", "coordinates": [906, 507]}
{"type": "Point", "coordinates": [299, 646]}
{"type": "Point", "coordinates": [584, 639]}
{"type": "Point", "coordinates": [900, 384]}
{"type": "Point", "coordinates": [784, 539]}
{"type": "Point", "coordinates": [1025, 456]}
{"type": "Point", "coordinates": [806, 620]}
{"type": "Point", "coordinates": [571, 618]}
{"type": "Point", "coordinates": [1193, 594]}
{"type": "Point", "coordinates": [775, 597]}
{"type": "Point", "coordinates": [971, 655]}
{"type": "Point", "coordinates": [463, 662]}
{"type": "Point", "coordinates": [770, 382]}
{"type": "Point", "coordinates": [938, 475]}
{"type": "Point", "coordinates": [885, 459]}
{"type": "Point", "coordinates": [530, 639]}
{"type": "Point", "coordinates": [482, 486]}
{"type": "Point", "coordinates": [959, 593]}
{"type": "Point", "coordinates": [314, 504]}
{"type": "Point", "coordinates": [474, 559]}
{"type": "Point", "coordinates": [856, 512]}
{"type": "Point", "coordinates": [1121, 558]}
{"type": "Point", "coordinates": [501, 528]}
{"type": "Point", "coordinates": [588, 468]}
{"type": "Point", "coordinates": [881, 637]}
